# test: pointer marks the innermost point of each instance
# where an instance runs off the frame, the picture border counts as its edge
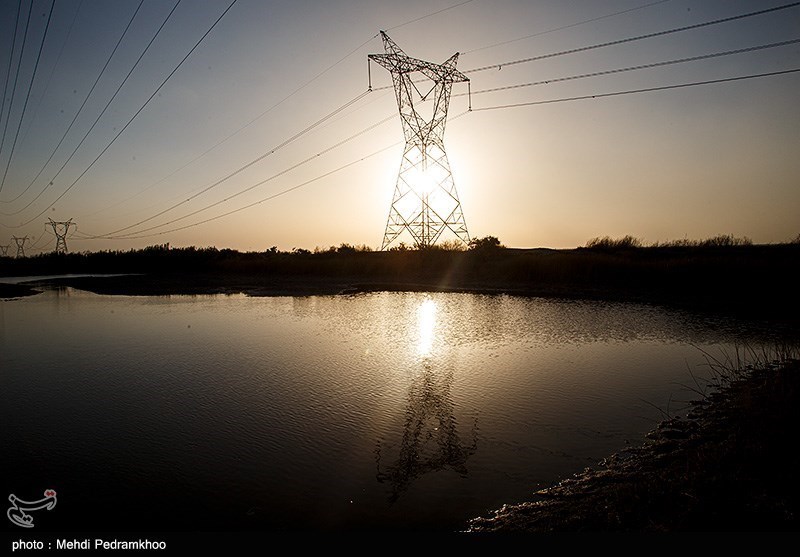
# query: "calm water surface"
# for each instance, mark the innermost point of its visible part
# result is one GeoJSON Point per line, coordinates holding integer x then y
{"type": "Point", "coordinates": [385, 410]}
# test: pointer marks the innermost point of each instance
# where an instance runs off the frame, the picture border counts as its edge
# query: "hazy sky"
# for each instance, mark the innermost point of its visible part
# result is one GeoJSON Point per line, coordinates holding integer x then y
{"type": "Point", "coordinates": [690, 162]}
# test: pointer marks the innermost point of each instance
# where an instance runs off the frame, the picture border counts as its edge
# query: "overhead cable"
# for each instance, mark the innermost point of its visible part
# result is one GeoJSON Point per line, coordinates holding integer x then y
{"type": "Point", "coordinates": [80, 109]}
{"type": "Point", "coordinates": [642, 90]}
{"type": "Point", "coordinates": [28, 93]}
{"type": "Point", "coordinates": [631, 39]}
{"type": "Point", "coordinates": [125, 127]}
{"type": "Point", "coordinates": [633, 68]}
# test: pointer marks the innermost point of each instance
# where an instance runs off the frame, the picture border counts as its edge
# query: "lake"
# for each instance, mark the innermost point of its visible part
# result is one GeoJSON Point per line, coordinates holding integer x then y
{"type": "Point", "coordinates": [403, 411]}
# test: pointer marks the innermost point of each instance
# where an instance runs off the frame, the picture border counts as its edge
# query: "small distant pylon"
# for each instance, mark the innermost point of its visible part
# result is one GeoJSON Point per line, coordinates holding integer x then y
{"type": "Point", "coordinates": [60, 229]}
{"type": "Point", "coordinates": [425, 202]}
{"type": "Point", "coordinates": [4, 250]}
{"type": "Point", "coordinates": [20, 245]}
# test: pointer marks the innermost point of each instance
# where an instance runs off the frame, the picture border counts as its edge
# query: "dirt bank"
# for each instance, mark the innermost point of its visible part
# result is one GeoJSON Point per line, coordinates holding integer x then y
{"type": "Point", "coordinates": [729, 465]}
{"type": "Point", "coordinates": [10, 291]}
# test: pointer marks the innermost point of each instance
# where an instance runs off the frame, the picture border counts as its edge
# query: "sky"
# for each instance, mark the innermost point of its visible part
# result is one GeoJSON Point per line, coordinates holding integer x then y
{"type": "Point", "coordinates": [690, 162]}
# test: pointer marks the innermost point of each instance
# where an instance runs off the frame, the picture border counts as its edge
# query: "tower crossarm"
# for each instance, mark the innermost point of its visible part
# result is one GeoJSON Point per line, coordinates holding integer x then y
{"type": "Point", "coordinates": [402, 64]}
{"type": "Point", "coordinates": [397, 61]}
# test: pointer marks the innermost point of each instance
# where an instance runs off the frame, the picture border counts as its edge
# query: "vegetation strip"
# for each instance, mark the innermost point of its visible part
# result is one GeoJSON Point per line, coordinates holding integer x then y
{"type": "Point", "coordinates": [722, 274]}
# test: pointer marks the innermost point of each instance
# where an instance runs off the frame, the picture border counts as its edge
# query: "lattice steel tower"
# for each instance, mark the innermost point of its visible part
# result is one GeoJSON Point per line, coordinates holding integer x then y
{"type": "Point", "coordinates": [60, 229]}
{"type": "Point", "coordinates": [20, 245]}
{"type": "Point", "coordinates": [425, 201]}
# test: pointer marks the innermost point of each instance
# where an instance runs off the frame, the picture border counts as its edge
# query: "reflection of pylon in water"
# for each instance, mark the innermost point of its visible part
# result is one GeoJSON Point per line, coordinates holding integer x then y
{"type": "Point", "coordinates": [425, 201]}
{"type": "Point", "coordinates": [60, 229]}
{"type": "Point", "coordinates": [430, 435]}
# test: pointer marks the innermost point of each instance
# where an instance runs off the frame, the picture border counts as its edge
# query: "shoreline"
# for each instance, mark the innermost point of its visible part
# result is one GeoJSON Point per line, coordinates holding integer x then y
{"type": "Point", "coordinates": [725, 466]}
{"type": "Point", "coordinates": [13, 291]}
{"type": "Point", "coordinates": [754, 281]}
{"type": "Point", "coordinates": [177, 284]}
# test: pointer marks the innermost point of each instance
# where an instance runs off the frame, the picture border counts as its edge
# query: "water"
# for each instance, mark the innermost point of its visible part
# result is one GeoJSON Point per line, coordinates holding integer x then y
{"type": "Point", "coordinates": [385, 410]}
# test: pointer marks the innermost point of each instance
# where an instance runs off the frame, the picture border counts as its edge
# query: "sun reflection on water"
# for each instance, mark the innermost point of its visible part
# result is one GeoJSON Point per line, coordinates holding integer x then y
{"type": "Point", "coordinates": [426, 322]}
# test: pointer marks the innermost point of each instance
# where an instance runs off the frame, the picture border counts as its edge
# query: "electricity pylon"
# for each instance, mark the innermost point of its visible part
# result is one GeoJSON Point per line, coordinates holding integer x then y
{"type": "Point", "coordinates": [20, 245]}
{"type": "Point", "coordinates": [425, 201]}
{"type": "Point", "coordinates": [4, 250]}
{"type": "Point", "coordinates": [60, 229]}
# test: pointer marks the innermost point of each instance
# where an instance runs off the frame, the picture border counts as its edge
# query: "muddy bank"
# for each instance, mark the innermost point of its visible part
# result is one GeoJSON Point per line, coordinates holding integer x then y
{"type": "Point", "coordinates": [729, 465]}
{"type": "Point", "coordinates": [198, 284]}
{"type": "Point", "coordinates": [10, 291]}
{"type": "Point", "coordinates": [276, 285]}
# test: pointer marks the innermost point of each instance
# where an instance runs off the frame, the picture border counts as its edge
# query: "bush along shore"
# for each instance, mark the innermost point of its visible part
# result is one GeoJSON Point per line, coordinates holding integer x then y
{"type": "Point", "coordinates": [729, 465]}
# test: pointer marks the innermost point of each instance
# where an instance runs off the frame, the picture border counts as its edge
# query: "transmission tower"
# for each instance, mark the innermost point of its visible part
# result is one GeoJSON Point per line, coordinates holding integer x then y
{"type": "Point", "coordinates": [4, 250]}
{"type": "Point", "coordinates": [20, 245]}
{"type": "Point", "coordinates": [425, 202]}
{"type": "Point", "coordinates": [60, 229]}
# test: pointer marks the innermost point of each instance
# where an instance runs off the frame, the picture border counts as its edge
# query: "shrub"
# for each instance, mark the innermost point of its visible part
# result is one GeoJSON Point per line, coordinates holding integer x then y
{"type": "Point", "coordinates": [725, 241]}
{"type": "Point", "coordinates": [607, 242]}
{"type": "Point", "coordinates": [487, 243]}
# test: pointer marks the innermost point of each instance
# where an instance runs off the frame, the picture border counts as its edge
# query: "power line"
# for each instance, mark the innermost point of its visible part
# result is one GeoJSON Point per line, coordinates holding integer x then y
{"type": "Point", "coordinates": [265, 199]}
{"type": "Point", "coordinates": [596, 46]}
{"type": "Point", "coordinates": [341, 115]}
{"type": "Point", "coordinates": [631, 39]}
{"type": "Point", "coordinates": [241, 128]}
{"type": "Point", "coordinates": [53, 71]}
{"type": "Point", "coordinates": [42, 235]}
{"type": "Point", "coordinates": [176, 197]}
{"type": "Point", "coordinates": [102, 112]}
{"type": "Point", "coordinates": [173, 198]}
{"type": "Point", "coordinates": [429, 15]}
{"type": "Point", "coordinates": [138, 234]}
{"type": "Point", "coordinates": [125, 127]}
{"type": "Point", "coordinates": [569, 26]}
{"type": "Point", "coordinates": [16, 78]}
{"type": "Point", "coordinates": [78, 113]}
{"type": "Point", "coordinates": [45, 247]}
{"type": "Point", "coordinates": [28, 93]}
{"type": "Point", "coordinates": [523, 104]}
{"type": "Point", "coordinates": [253, 186]}
{"type": "Point", "coordinates": [272, 107]}
{"type": "Point", "coordinates": [643, 90]}
{"type": "Point", "coordinates": [633, 68]}
{"type": "Point", "coordinates": [245, 166]}
{"type": "Point", "coordinates": [10, 62]}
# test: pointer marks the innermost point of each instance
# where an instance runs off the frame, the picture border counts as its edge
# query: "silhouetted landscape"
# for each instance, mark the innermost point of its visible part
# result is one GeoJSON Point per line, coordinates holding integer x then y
{"type": "Point", "coordinates": [720, 274]}
{"type": "Point", "coordinates": [180, 365]}
{"type": "Point", "coordinates": [724, 465]}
